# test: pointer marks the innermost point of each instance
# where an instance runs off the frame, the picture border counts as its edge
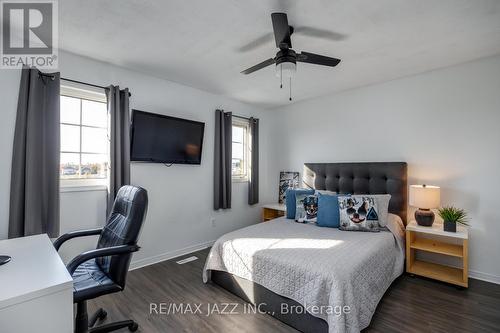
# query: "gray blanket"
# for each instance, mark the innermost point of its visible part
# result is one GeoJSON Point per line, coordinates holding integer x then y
{"type": "Point", "coordinates": [339, 276]}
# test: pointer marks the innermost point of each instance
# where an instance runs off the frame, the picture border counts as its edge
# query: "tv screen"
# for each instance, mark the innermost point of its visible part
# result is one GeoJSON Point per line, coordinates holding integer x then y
{"type": "Point", "coordinates": [163, 139]}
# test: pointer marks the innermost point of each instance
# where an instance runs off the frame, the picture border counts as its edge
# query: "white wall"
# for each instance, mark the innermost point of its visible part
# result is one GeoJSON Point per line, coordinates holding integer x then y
{"type": "Point", "coordinates": [444, 123]}
{"type": "Point", "coordinates": [180, 197]}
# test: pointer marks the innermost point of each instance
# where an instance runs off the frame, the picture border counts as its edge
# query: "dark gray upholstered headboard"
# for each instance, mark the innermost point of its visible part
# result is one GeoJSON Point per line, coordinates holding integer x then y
{"type": "Point", "coordinates": [362, 178]}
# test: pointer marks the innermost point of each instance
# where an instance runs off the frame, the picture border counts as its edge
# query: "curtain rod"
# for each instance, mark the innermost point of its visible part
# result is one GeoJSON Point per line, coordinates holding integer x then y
{"type": "Point", "coordinates": [241, 117]}
{"type": "Point", "coordinates": [236, 116]}
{"type": "Point", "coordinates": [79, 82]}
{"type": "Point", "coordinates": [85, 83]}
{"type": "Point", "coordinates": [88, 84]}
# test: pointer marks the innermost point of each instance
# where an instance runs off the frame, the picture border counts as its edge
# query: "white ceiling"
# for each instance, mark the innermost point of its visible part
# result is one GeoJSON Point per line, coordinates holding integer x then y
{"type": "Point", "coordinates": [197, 42]}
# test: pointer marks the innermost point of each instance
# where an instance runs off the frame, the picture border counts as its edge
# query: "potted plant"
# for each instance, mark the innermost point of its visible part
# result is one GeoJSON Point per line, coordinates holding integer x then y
{"type": "Point", "coordinates": [451, 216]}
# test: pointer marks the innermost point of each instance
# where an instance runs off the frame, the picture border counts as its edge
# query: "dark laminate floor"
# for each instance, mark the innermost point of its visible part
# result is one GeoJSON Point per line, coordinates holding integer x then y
{"type": "Point", "coordinates": [410, 305]}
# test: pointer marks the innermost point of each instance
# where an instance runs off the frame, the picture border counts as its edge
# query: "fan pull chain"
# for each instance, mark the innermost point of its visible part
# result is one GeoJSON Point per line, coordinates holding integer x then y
{"type": "Point", "coordinates": [290, 89]}
{"type": "Point", "coordinates": [281, 77]}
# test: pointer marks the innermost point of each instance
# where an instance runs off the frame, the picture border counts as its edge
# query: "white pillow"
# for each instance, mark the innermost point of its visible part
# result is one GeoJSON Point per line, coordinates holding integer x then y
{"type": "Point", "coordinates": [383, 207]}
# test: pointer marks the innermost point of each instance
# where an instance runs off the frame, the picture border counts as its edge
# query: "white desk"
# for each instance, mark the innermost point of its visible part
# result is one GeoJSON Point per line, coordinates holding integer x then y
{"type": "Point", "coordinates": [36, 290]}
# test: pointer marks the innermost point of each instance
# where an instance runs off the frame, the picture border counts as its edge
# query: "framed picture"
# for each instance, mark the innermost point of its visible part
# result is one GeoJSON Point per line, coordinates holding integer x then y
{"type": "Point", "coordinates": [288, 179]}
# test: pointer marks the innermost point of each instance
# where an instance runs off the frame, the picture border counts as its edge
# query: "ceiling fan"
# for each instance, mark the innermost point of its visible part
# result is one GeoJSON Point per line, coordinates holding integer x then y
{"type": "Point", "coordinates": [286, 59]}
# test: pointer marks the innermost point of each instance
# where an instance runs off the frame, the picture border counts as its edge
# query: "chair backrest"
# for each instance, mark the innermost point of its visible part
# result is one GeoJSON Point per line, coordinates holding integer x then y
{"type": "Point", "coordinates": [122, 228]}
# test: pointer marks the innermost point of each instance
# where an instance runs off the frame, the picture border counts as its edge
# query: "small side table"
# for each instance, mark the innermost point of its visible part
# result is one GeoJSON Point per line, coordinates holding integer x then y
{"type": "Point", "coordinates": [452, 244]}
{"type": "Point", "coordinates": [272, 211]}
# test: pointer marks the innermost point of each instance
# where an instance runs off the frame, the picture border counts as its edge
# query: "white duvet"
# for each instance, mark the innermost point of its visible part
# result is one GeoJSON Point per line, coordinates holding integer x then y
{"type": "Point", "coordinates": [339, 276]}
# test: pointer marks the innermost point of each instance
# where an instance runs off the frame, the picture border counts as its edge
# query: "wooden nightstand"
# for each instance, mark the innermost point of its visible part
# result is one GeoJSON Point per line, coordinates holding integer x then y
{"type": "Point", "coordinates": [272, 211]}
{"type": "Point", "coordinates": [434, 239]}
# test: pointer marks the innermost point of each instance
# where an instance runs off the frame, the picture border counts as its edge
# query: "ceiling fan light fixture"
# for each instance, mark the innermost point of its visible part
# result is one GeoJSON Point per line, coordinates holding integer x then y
{"type": "Point", "coordinates": [286, 69]}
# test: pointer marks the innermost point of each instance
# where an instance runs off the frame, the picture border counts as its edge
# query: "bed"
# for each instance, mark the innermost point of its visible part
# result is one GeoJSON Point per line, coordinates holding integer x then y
{"type": "Point", "coordinates": [318, 279]}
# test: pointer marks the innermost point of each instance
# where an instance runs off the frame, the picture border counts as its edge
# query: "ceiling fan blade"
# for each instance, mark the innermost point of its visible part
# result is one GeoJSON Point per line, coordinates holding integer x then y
{"type": "Point", "coordinates": [256, 43]}
{"type": "Point", "coordinates": [261, 65]}
{"type": "Point", "coordinates": [317, 59]}
{"type": "Point", "coordinates": [320, 33]}
{"type": "Point", "coordinates": [281, 30]}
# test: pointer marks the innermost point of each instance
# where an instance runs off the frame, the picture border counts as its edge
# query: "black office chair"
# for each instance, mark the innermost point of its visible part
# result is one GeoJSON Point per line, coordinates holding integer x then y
{"type": "Point", "coordinates": [104, 270]}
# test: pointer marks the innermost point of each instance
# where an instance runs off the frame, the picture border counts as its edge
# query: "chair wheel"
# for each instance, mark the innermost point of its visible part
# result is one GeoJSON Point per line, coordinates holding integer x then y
{"type": "Point", "coordinates": [133, 327]}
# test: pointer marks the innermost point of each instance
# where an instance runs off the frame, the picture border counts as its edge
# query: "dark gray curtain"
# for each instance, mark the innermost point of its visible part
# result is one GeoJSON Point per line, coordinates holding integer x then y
{"type": "Point", "coordinates": [118, 108]}
{"type": "Point", "coordinates": [222, 159]}
{"type": "Point", "coordinates": [253, 181]}
{"type": "Point", "coordinates": [34, 188]}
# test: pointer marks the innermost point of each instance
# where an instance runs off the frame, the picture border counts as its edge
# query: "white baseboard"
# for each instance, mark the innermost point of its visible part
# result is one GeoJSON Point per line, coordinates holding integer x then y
{"type": "Point", "coordinates": [169, 255]}
{"type": "Point", "coordinates": [484, 277]}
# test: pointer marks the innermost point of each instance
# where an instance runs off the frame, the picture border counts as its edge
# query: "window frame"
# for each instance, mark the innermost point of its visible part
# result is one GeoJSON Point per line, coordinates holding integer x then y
{"type": "Point", "coordinates": [94, 94]}
{"type": "Point", "coordinates": [244, 177]}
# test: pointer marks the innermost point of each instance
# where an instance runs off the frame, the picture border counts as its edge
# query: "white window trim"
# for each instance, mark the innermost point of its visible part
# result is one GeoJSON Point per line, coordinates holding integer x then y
{"type": "Point", "coordinates": [246, 150]}
{"type": "Point", "coordinates": [79, 182]}
{"type": "Point", "coordinates": [83, 188]}
{"type": "Point", "coordinates": [83, 91]}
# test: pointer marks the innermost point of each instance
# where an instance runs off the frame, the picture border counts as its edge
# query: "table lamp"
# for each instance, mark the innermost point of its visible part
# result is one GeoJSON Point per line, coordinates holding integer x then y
{"type": "Point", "coordinates": [425, 198]}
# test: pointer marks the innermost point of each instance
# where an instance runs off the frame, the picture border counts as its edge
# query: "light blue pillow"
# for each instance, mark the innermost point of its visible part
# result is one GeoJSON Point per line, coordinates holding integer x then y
{"type": "Point", "coordinates": [328, 211]}
{"type": "Point", "coordinates": [291, 205]}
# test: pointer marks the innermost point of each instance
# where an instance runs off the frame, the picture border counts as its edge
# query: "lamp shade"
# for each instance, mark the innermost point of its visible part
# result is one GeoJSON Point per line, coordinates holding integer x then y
{"type": "Point", "coordinates": [425, 196]}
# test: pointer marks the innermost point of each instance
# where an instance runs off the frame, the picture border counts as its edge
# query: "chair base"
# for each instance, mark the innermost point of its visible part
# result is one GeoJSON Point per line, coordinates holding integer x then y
{"type": "Point", "coordinates": [100, 314]}
{"type": "Point", "coordinates": [84, 325]}
{"type": "Point", "coordinates": [132, 326]}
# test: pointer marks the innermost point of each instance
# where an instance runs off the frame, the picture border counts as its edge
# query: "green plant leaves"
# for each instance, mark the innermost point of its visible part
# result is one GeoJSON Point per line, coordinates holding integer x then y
{"type": "Point", "coordinates": [453, 214]}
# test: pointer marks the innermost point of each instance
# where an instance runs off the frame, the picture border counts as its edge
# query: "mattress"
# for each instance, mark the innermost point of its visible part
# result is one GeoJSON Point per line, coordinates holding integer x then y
{"type": "Point", "coordinates": [338, 276]}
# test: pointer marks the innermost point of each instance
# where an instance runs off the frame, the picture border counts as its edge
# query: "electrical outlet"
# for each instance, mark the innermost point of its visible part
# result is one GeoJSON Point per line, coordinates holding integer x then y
{"type": "Point", "coordinates": [212, 220]}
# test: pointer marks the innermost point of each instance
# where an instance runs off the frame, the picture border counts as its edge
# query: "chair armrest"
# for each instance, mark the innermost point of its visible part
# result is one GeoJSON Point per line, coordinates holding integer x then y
{"type": "Point", "coordinates": [102, 252]}
{"type": "Point", "coordinates": [73, 234]}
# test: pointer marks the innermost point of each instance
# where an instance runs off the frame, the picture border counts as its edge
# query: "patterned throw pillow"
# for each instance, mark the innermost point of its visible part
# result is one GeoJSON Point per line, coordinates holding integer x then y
{"type": "Point", "coordinates": [291, 200]}
{"type": "Point", "coordinates": [359, 213]}
{"type": "Point", "coordinates": [307, 208]}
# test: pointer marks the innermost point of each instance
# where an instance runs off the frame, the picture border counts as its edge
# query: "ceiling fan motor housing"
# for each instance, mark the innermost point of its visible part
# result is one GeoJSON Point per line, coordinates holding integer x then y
{"type": "Point", "coordinates": [286, 60]}
{"type": "Point", "coordinates": [286, 55]}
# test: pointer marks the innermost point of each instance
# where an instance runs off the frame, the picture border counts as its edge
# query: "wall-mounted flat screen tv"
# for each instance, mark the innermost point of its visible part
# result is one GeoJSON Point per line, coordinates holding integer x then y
{"type": "Point", "coordinates": [164, 139]}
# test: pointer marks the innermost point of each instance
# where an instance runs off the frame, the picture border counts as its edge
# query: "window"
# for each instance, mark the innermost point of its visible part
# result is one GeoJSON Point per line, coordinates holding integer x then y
{"type": "Point", "coordinates": [84, 137]}
{"type": "Point", "coordinates": [241, 149]}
